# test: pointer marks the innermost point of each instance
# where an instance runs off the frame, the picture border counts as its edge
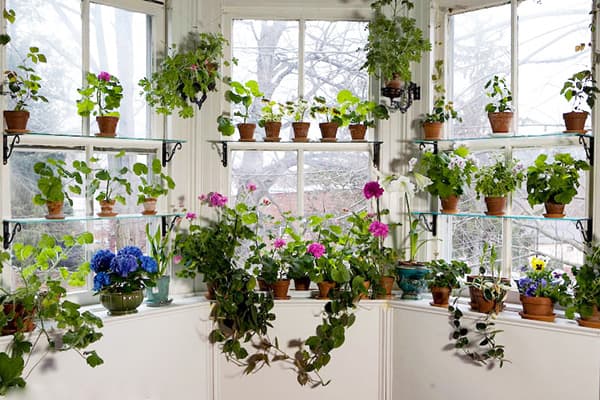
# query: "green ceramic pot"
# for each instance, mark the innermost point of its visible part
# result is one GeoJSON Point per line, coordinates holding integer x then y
{"type": "Point", "coordinates": [122, 303]}
{"type": "Point", "coordinates": [158, 295]}
{"type": "Point", "coordinates": [411, 281]}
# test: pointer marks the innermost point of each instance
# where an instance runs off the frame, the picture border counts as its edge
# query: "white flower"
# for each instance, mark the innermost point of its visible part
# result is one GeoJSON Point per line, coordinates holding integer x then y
{"type": "Point", "coordinates": [422, 181]}
{"type": "Point", "coordinates": [411, 164]}
{"type": "Point", "coordinates": [402, 184]}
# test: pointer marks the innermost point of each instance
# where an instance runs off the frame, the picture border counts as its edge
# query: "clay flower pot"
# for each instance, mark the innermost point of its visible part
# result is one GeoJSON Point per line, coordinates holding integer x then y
{"type": "Point", "coordinates": [106, 208]}
{"type": "Point", "coordinates": [262, 285]}
{"type": "Point", "coordinates": [537, 308]}
{"type": "Point", "coordinates": [280, 289]}
{"type": "Point", "coordinates": [440, 295]}
{"type": "Point", "coordinates": [149, 205]}
{"type": "Point", "coordinates": [302, 283]}
{"type": "Point", "coordinates": [449, 204]}
{"type": "Point", "coordinates": [23, 320]}
{"type": "Point", "coordinates": [324, 288]}
{"type": "Point", "coordinates": [365, 296]}
{"type": "Point", "coordinates": [16, 121]}
{"type": "Point", "coordinates": [55, 210]}
{"type": "Point", "coordinates": [575, 121]}
{"type": "Point", "coordinates": [358, 132]}
{"type": "Point", "coordinates": [495, 205]}
{"type": "Point", "coordinates": [433, 130]}
{"type": "Point", "coordinates": [387, 283]}
{"type": "Point", "coordinates": [501, 122]}
{"type": "Point", "coordinates": [272, 130]}
{"type": "Point", "coordinates": [107, 126]}
{"type": "Point", "coordinates": [247, 132]}
{"type": "Point", "coordinates": [554, 210]}
{"type": "Point", "coordinates": [300, 131]}
{"type": "Point", "coordinates": [593, 321]}
{"type": "Point", "coordinates": [479, 303]}
{"type": "Point", "coordinates": [328, 131]}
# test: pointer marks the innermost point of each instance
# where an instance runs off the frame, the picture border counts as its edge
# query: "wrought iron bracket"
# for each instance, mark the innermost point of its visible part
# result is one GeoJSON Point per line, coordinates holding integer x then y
{"type": "Point", "coordinates": [588, 147]}
{"type": "Point", "coordinates": [433, 144]}
{"type": "Point", "coordinates": [9, 235]}
{"type": "Point", "coordinates": [405, 95]}
{"type": "Point", "coordinates": [377, 154]}
{"type": "Point", "coordinates": [168, 226]}
{"type": "Point", "coordinates": [223, 154]}
{"type": "Point", "coordinates": [586, 232]}
{"type": "Point", "coordinates": [167, 155]}
{"type": "Point", "coordinates": [430, 226]}
{"type": "Point", "coordinates": [8, 149]}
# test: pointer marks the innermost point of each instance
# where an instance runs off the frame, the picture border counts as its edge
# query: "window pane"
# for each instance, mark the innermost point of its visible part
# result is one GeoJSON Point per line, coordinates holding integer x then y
{"type": "Point", "coordinates": [469, 236]}
{"type": "Point", "coordinates": [119, 46]}
{"type": "Point", "coordinates": [60, 75]}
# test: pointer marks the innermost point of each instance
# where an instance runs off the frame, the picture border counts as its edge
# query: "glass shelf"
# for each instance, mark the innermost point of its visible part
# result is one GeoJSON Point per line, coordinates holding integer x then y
{"type": "Point", "coordinates": [28, 221]}
{"type": "Point", "coordinates": [513, 217]}
{"type": "Point", "coordinates": [505, 137]}
{"type": "Point", "coordinates": [79, 135]}
{"type": "Point", "coordinates": [291, 142]}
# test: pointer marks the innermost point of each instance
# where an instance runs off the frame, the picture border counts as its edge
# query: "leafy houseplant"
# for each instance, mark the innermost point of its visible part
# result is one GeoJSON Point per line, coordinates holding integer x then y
{"type": "Point", "coordinates": [54, 178]}
{"type": "Point", "coordinates": [297, 111]}
{"type": "Point", "coordinates": [23, 87]}
{"type": "Point", "coordinates": [101, 97]}
{"type": "Point", "coordinates": [442, 111]}
{"type": "Point", "coordinates": [496, 181]}
{"type": "Point", "coordinates": [554, 184]}
{"type": "Point", "coordinates": [443, 276]}
{"type": "Point", "coordinates": [500, 108]}
{"type": "Point", "coordinates": [162, 251]}
{"type": "Point", "coordinates": [332, 115]}
{"type": "Point", "coordinates": [579, 88]}
{"type": "Point", "coordinates": [151, 187]}
{"type": "Point", "coordinates": [540, 288]}
{"type": "Point", "coordinates": [40, 300]}
{"type": "Point", "coordinates": [361, 114]}
{"type": "Point", "coordinates": [243, 96]}
{"type": "Point", "coordinates": [271, 114]}
{"type": "Point", "coordinates": [587, 290]}
{"type": "Point", "coordinates": [186, 75]}
{"type": "Point", "coordinates": [394, 41]}
{"type": "Point", "coordinates": [107, 182]}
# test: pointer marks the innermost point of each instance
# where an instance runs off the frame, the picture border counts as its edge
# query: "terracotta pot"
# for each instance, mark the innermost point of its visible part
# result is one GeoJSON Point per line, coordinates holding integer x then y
{"type": "Point", "coordinates": [149, 205]}
{"type": "Point", "coordinates": [365, 296]}
{"type": "Point", "coordinates": [16, 121]}
{"type": "Point", "coordinates": [501, 122]}
{"type": "Point", "coordinates": [300, 131]}
{"type": "Point", "coordinates": [433, 130]}
{"type": "Point", "coordinates": [395, 83]}
{"type": "Point", "coordinates": [593, 321]}
{"type": "Point", "coordinates": [495, 205]}
{"type": "Point", "coordinates": [106, 208]}
{"type": "Point", "coordinates": [262, 285]}
{"type": "Point", "coordinates": [387, 283]}
{"type": "Point", "coordinates": [328, 131]}
{"type": "Point", "coordinates": [210, 292]}
{"type": "Point", "coordinates": [479, 303]}
{"type": "Point", "coordinates": [280, 289]}
{"type": "Point", "coordinates": [55, 210]}
{"type": "Point", "coordinates": [358, 131]}
{"type": "Point", "coordinates": [22, 320]}
{"type": "Point", "coordinates": [107, 126]}
{"type": "Point", "coordinates": [246, 132]}
{"type": "Point", "coordinates": [554, 210]}
{"type": "Point", "coordinates": [534, 307]}
{"type": "Point", "coordinates": [272, 130]}
{"type": "Point", "coordinates": [440, 295]}
{"type": "Point", "coordinates": [449, 205]}
{"type": "Point", "coordinates": [324, 288]}
{"type": "Point", "coordinates": [302, 283]}
{"type": "Point", "coordinates": [575, 121]}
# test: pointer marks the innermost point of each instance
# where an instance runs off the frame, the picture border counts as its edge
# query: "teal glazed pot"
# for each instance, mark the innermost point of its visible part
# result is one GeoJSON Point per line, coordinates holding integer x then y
{"type": "Point", "coordinates": [122, 303]}
{"type": "Point", "coordinates": [411, 279]}
{"type": "Point", "coordinates": [158, 295]}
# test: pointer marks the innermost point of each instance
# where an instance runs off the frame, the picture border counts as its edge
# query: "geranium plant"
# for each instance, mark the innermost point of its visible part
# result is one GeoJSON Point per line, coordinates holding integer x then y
{"type": "Point", "coordinates": [107, 182]}
{"type": "Point", "coordinates": [328, 251]}
{"type": "Point", "coordinates": [101, 97]}
{"type": "Point", "coordinates": [540, 281]}
{"type": "Point", "coordinates": [55, 182]}
{"type": "Point", "coordinates": [241, 95]}
{"type": "Point", "coordinates": [155, 185]}
{"type": "Point", "coordinates": [124, 272]}
{"type": "Point", "coordinates": [329, 113]}
{"type": "Point", "coordinates": [297, 109]}
{"type": "Point", "coordinates": [579, 89]}
{"type": "Point", "coordinates": [23, 83]}
{"type": "Point", "coordinates": [357, 111]}
{"type": "Point", "coordinates": [271, 111]}
{"type": "Point", "coordinates": [446, 274]}
{"type": "Point", "coordinates": [500, 178]}
{"type": "Point", "coordinates": [499, 94]}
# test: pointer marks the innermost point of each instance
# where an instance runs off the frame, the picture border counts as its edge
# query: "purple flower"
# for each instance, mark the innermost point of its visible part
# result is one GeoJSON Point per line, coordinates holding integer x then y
{"type": "Point", "coordinates": [101, 280]}
{"type": "Point", "coordinates": [104, 76]}
{"type": "Point", "coordinates": [149, 264]}
{"type": "Point", "coordinates": [279, 243]}
{"type": "Point", "coordinates": [378, 229]}
{"type": "Point", "coordinates": [316, 249]}
{"type": "Point", "coordinates": [190, 216]}
{"type": "Point", "coordinates": [124, 264]}
{"type": "Point", "coordinates": [217, 199]}
{"type": "Point", "coordinates": [251, 187]}
{"type": "Point", "coordinates": [372, 189]}
{"type": "Point", "coordinates": [101, 261]}
{"type": "Point", "coordinates": [130, 251]}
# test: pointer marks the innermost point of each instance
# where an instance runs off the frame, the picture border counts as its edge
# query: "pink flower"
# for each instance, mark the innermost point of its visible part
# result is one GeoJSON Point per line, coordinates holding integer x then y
{"type": "Point", "coordinates": [104, 76]}
{"type": "Point", "coordinates": [378, 229]}
{"type": "Point", "coordinates": [251, 187]}
{"type": "Point", "coordinates": [217, 199]}
{"type": "Point", "coordinates": [194, 67]}
{"type": "Point", "coordinates": [278, 243]}
{"type": "Point", "coordinates": [202, 197]}
{"type": "Point", "coordinates": [190, 216]}
{"type": "Point", "coordinates": [266, 202]}
{"type": "Point", "coordinates": [372, 189]}
{"type": "Point", "coordinates": [371, 215]}
{"type": "Point", "coordinates": [177, 259]}
{"type": "Point", "coordinates": [316, 249]}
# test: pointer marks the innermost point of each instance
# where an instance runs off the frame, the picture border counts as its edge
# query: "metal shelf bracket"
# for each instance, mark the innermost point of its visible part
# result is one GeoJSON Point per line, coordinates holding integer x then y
{"type": "Point", "coordinates": [167, 154]}
{"type": "Point", "coordinates": [430, 226]}
{"type": "Point", "coordinates": [589, 148]}
{"type": "Point", "coordinates": [9, 236]}
{"type": "Point", "coordinates": [8, 149]}
{"type": "Point", "coordinates": [586, 232]}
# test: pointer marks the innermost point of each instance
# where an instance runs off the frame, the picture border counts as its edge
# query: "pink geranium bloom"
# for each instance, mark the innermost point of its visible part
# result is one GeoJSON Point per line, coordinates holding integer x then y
{"type": "Point", "coordinates": [372, 189]}
{"type": "Point", "coordinates": [251, 187]}
{"type": "Point", "coordinates": [190, 216]}
{"type": "Point", "coordinates": [202, 197]}
{"type": "Point", "coordinates": [217, 199]}
{"type": "Point", "coordinates": [177, 259]}
{"type": "Point", "coordinates": [378, 229]}
{"type": "Point", "coordinates": [104, 76]}
{"type": "Point", "coordinates": [266, 202]}
{"type": "Point", "coordinates": [316, 249]}
{"type": "Point", "coordinates": [279, 243]}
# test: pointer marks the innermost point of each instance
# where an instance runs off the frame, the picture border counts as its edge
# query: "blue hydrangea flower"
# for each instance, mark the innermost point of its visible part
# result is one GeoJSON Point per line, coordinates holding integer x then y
{"type": "Point", "coordinates": [123, 265]}
{"type": "Point", "coordinates": [130, 250]}
{"type": "Point", "coordinates": [101, 261]}
{"type": "Point", "coordinates": [149, 264]}
{"type": "Point", "coordinates": [101, 280]}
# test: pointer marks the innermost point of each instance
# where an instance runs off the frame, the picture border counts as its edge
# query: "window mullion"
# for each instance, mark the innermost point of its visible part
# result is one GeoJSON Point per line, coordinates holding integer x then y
{"type": "Point", "coordinates": [85, 55]}
{"type": "Point", "coordinates": [301, 32]}
{"type": "Point", "coordinates": [300, 182]}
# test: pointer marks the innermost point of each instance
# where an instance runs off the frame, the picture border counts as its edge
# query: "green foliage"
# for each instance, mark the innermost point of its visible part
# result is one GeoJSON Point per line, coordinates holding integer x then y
{"type": "Point", "coordinates": [541, 281]}
{"type": "Point", "coordinates": [10, 16]}
{"type": "Point", "coordinates": [102, 96]}
{"type": "Point", "coordinates": [499, 179]}
{"type": "Point", "coordinates": [330, 113]}
{"type": "Point", "coordinates": [297, 109]}
{"type": "Point", "coordinates": [105, 181]}
{"type": "Point", "coordinates": [368, 258]}
{"type": "Point", "coordinates": [357, 111]}
{"type": "Point", "coordinates": [186, 74]}
{"type": "Point", "coordinates": [556, 182]}
{"type": "Point", "coordinates": [155, 185]}
{"type": "Point", "coordinates": [271, 111]}
{"type": "Point", "coordinates": [331, 266]}
{"type": "Point", "coordinates": [394, 40]}
{"type": "Point", "coordinates": [446, 274]}
{"type": "Point", "coordinates": [442, 111]}
{"type": "Point", "coordinates": [241, 95]}
{"type": "Point", "coordinates": [54, 179]}
{"type": "Point", "coordinates": [500, 95]}
{"type": "Point", "coordinates": [587, 284]}
{"type": "Point", "coordinates": [24, 84]}
{"type": "Point", "coordinates": [161, 250]}
{"type": "Point", "coordinates": [579, 88]}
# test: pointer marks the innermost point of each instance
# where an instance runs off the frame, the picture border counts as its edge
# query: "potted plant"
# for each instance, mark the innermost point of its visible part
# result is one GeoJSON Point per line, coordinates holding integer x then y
{"type": "Point", "coordinates": [53, 181]}
{"type": "Point", "coordinates": [443, 276]}
{"type": "Point", "coordinates": [449, 173]}
{"type": "Point", "coordinates": [540, 288]}
{"type": "Point", "coordinates": [300, 263]}
{"type": "Point", "coordinates": [554, 184]}
{"type": "Point", "coordinates": [272, 266]}
{"type": "Point", "coordinates": [101, 97]}
{"type": "Point", "coordinates": [121, 278]}
{"type": "Point", "coordinates": [160, 249]}
{"type": "Point", "coordinates": [23, 87]}
{"type": "Point", "coordinates": [332, 115]}
{"type": "Point", "coordinates": [587, 290]}
{"type": "Point", "coordinates": [271, 115]}
{"type": "Point", "coordinates": [442, 111]}
{"type": "Point", "coordinates": [242, 95]}
{"type": "Point", "coordinates": [297, 111]}
{"type": "Point", "coordinates": [186, 74]}
{"type": "Point", "coordinates": [107, 183]}
{"type": "Point", "coordinates": [500, 109]}
{"type": "Point", "coordinates": [394, 42]}
{"type": "Point", "coordinates": [488, 289]}
{"type": "Point", "coordinates": [577, 89]}
{"type": "Point", "coordinates": [360, 114]}
{"type": "Point", "coordinates": [496, 181]}
{"type": "Point", "coordinates": [151, 187]}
